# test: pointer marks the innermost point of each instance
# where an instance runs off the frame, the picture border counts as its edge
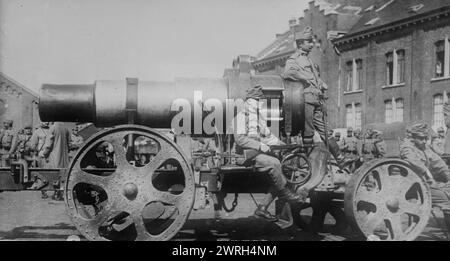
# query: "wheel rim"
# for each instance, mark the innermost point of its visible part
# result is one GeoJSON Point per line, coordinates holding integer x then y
{"type": "Point", "coordinates": [387, 199]}
{"type": "Point", "coordinates": [130, 202]}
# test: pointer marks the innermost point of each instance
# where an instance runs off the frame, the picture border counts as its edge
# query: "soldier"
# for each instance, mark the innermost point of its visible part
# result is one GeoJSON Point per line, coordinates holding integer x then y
{"type": "Point", "coordinates": [368, 146]}
{"type": "Point", "coordinates": [438, 141]}
{"type": "Point", "coordinates": [428, 164]}
{"type": "Point", "coordinates": [337, 137]}
{"type": "Point", "coordinates": [349, 144]}
{"type": "Point", "coordinates": [38, 141]}
{"type": "Point", "coordinates": [380, 144]}
{"type": "Point", "coordinates": [358, 134]}
{"type": "Point", "coordinates": [6, 143]}
{"type": "Point", "coordinates": [22, 144]}
{"type": "Point", "coordinates": [256, 137]}
{"type": "Point", "coordinates": [300, 68]}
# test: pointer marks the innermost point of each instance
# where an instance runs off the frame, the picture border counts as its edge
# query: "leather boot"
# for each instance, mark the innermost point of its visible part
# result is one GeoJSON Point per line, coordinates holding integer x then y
{"type": "Point", "coordinates": [286, 195]}
{"type": "Point", "coordinates": [262, 212]}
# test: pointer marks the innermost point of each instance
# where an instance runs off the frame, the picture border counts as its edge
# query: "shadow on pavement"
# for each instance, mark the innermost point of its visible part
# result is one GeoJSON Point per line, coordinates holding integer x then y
{"type": "Point", "coordinates": [38, 232]}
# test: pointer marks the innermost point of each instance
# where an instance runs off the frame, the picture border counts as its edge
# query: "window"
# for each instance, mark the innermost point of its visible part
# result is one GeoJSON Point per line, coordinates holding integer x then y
{"type": "Point", "coordinates": [395, 67]}
{"type": "Point", "coordinates": [438, 108]}
{"type": "Point", "coordinates": [353, 116]}
{"type": "Point", "coordinates": [442, 58]}
{"type": "Point", "coordinates": [398, 110]}
{"type": "Point", "coordinates": [393, 110]}
{"type": "Point", "coordinates": [389, 112]}
{"type": "Point", "coordinates": [349, 67]}
{"type": "Point", "coordinates": [358, 114]}
{"type": "Point", "coordinates": [359, 74]}
{"type": "Point", "coordinates": [438, 112]}
{"type": "Point", "coordinates": [354, 72]}
{"type": "Point", "coordinates": [349, 115]}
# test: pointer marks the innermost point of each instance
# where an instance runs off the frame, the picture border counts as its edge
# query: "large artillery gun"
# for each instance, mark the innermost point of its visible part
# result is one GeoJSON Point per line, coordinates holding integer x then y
{"type": "Point", "coordinates": [152, 182]}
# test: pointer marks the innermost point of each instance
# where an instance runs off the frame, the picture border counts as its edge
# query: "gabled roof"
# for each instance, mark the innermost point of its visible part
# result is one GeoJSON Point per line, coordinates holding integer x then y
{"type": "Point", "coordinates": [386, 12]}
{"type": "Point", "coordinates": [347, 11]}
{"type": "Point", "coordinates": [8, 80]}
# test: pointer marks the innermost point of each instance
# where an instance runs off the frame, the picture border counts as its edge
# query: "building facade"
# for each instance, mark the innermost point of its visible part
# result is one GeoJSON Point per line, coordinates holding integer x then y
{"type": "Point", "coordinates": [17, 103]}
{"type": "Point", "coordinates": [395, 65]}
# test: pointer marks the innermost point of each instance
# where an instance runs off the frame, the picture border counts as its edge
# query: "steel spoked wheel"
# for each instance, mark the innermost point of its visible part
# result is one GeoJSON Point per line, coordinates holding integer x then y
{"type": "Point", "coordinates": [129, 183]}
{"type": "Point", "coordinates": [296, 169]}
{"type": "Point", "coordinates": [387, 200]}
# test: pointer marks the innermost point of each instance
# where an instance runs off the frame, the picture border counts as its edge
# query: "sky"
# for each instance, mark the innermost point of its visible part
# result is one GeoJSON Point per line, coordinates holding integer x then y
{"type": "Point", "coordinates": [80, 41]}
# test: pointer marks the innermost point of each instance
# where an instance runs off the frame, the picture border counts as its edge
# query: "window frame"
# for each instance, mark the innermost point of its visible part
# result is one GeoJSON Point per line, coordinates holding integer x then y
{"type": "Point", "coordinates": [446, 59]}
{"type": "Point", "coordinates": [395, 67]}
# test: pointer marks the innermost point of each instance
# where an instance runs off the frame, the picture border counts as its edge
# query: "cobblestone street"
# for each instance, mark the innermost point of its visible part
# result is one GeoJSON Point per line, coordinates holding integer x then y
{"type": "Point", "coordinates": [25, 216]}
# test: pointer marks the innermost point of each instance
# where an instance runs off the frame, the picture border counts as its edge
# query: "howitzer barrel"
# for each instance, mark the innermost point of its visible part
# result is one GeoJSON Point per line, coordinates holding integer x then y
{"type": "Point", "coordinates": [155, 104]}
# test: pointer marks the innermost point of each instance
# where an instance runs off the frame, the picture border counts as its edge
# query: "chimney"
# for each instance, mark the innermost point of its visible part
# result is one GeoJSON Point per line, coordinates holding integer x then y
{"type": "Point", "coordinates": [292, 23]}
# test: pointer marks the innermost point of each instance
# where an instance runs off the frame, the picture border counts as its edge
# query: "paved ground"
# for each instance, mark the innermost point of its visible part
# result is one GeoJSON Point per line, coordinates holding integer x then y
{"type": "Point", "coordinates": [25, 216]}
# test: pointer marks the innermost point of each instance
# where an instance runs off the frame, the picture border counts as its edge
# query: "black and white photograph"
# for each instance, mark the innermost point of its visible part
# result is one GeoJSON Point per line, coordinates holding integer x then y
{"type": "Point", "coordinates": [225, 121]}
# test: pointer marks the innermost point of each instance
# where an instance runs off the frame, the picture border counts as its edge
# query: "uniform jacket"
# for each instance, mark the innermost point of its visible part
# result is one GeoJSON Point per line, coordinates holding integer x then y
{"type": "Point", "coordinates": [38, 139]}
{"type": "Point", "coordinates": [421, 160]}
{"type": "Point", "coordinates": [350, 144]}
{"type": "Point", "coordinates": [6, 139]}
{"type": "Point", "coordinates": [299, 67]}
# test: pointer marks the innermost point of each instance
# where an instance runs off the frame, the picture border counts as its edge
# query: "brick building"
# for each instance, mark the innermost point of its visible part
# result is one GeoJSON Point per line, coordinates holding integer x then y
{"type": "Point", "coordinates": [17, 103]}
{"type": "Point", "coordinates": [387, 62]}
{"type": "Point", "coordinates": [394, 66]}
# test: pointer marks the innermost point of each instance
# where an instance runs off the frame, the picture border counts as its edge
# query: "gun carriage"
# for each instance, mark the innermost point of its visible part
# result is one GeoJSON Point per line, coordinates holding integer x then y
{"type": "Point", "coordinates": [151, 197]}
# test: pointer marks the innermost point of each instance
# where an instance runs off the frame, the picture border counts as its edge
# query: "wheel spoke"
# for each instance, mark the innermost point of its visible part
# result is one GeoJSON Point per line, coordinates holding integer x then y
{"type": "Point", "coordinates": [155, 163]}
{"type": "Point", "coordinates": [369, 196]}
{"type": "Point", "coordinates": [142, 234]}
{"type": "Point", "coordinates": [81, 176]}
{"type": "Point", "coordinates": [383, 176]}
{"type": "Point", "coordinates": [396, 232]}
{"type": "Point", "coordinates": [166, 197]}
{"type": "Point", "coordinates": [412, 208]}
{"type": "Point", "coordinates": [370, 222]}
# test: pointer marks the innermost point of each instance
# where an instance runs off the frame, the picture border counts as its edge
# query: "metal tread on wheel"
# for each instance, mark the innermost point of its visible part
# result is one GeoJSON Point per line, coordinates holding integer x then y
{"type": "Point", "coordinates": [387, 200]}
{"type": "Point", "coordinates": [127, 200]}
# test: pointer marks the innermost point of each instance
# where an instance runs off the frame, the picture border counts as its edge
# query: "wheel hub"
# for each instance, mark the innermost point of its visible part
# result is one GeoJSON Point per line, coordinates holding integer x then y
{"type": "Point", "coordinates": [393, 204]}
{"type": "Point", "coordinates": [130, 191]}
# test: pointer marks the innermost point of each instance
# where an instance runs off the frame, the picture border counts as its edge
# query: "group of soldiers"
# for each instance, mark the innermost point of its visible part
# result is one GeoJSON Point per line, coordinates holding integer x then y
{"type": "Point", "coordinates": [364, 147]}
{"type": "Point", "coordinates": [46, 146]}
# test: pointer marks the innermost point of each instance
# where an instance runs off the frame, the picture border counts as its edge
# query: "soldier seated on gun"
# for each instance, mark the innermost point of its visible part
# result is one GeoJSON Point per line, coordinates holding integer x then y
{"type": "Point", "coordinates": [427, 163]}
{"type": "Point", "coordinates": [251, 133]}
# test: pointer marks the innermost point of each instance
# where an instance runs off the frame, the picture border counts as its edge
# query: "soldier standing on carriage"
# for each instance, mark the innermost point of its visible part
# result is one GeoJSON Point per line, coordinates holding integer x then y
{"type": "Point", "coordinates": [426, 162]}
{"type": "Point", "coordinates": [300, 68]}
